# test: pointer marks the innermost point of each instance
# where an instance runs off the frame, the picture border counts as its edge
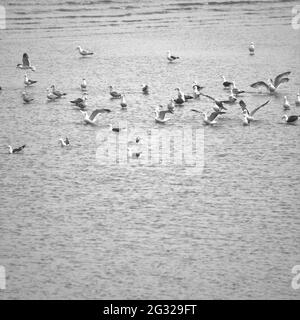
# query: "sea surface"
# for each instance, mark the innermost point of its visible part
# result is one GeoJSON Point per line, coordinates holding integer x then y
{"type": "Point", "coordinates": [75, 227]}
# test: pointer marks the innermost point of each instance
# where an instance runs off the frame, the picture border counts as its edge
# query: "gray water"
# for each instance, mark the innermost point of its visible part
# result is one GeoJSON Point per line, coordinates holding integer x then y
{"type": "Point", "coordinates": [73, 228]}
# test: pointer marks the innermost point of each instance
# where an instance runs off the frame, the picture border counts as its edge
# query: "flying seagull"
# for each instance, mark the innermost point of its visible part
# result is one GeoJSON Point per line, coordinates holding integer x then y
{"type": "Point", "coordinates": [84, 52]}
{"type": "Point", "coordinates": [27, 81]}
{"type": "Point", "coordinates": [160, 115]}
{"type": "Point", "coordinates": [219, 103]}
{"type": "Point", "coordinates": [25, 65]}
{"type": "Point", "coordinates": [93, 117]}
{"type": "Point", "coordinates": [272, 86]}
{"type": "Point", "coordinates": [16, 150]}
{"type": "Point", "coordinates": [170, 57]}
{"type": "Point", "coordinates": [249, 115]}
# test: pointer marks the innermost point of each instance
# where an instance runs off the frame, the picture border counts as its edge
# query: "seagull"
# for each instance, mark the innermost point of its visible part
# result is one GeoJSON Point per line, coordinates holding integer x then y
{"type": "Point", "coordinates": [93, 117]}
{"type": "Point", "coordinates": [247, 114]}
{"type": "Point", "coordinates": [16, 150]}
{"type": "Point", "coordinates": [83, 85]}
{"type": "Point", "coordinates": [160, 115]}
{"type": "Point", "coordinates": [195, 84]}
{"type": "Point", "coordinates": [82, 104]}
{"type": "Point", "coordinates": [297, 103]}
{"type": "Point", "coordinates": [50, 95]}
{"type": "Point", "coordinates": [246, 120]}
{"type": "Point", "coordinates": [251, 49]}
{"type": "Point", "coordinates": [171, 105]}
{"type": "Point", "coordinates": [196, 92]}
{"type": "Point", "coordinates": [145, 89]}
{"type": "Point", "coordinates": [170, 57]}
{"type": "Point", "coordinates": [134, 155]}
{"type": "Point", "coordinates": [64, 143]}
{"type": "Point", "coordinates": [25, 65]}
{"type": "Point", "coordinates": [123, 102]}
{"type": "Point", "coordinates": [114, 94]}
{"type": "Point", "coordinates": [79, 100]}
{"type": "Point", "coordinates": [226, 84]}
{"type": "Point", "coordinates": [26, 97]}
{"type": "Point", "coordinates": [211, 119]}
{"type": "Point", "coordinates": [27, 81]}
{"type": "Point", "coordinates": [286, 104]}
{"type": "Point", "coordinates": [84, 52]}
{"type": "Point", "coordinates": [272, 86]}
{"type": "Point", "coordinates": [290, 119]}
{"type": "Point", "coordinates": [232, 97]}
{"type": "Point", "coordinates": [235, 90]}
{"type": "Point", "coordinates": [182, 95]}
{"type": "Point", "coordinates": [56, 92]}
{"type": "Point", "coordinates": [219, 103]}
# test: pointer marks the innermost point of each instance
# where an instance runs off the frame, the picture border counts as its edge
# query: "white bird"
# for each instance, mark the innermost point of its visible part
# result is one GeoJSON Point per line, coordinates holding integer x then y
{"type": "Point", "coordinates": [93, 117]}
{"type": "Point", "coordinates": [26, 97]}
{"type": "Point", "coordinates": [56, 92]}
{"type": "Point", "coordinates": [84, 52]}
{"type": "Point", "coordinates": [249, 115]}
{"type": "Point", "coordinates": [123, 102]}
{"type": "Point", "coordinates": [171, 57]}
{"type": "Point", "coordinates": [196, 92]}
{"type": "Point", "coordinates": [16, 150]}
{"type": "Point", "coordinates": [246, 120]}
{"type": "Point", "coordinates": [272, 86]}
{"type": "Point", "coordinates": [26, 65]}
{"type": "Point", "coordinates": [235, 90]}
{"type": "Point", "coordinates": [297, 102]}
{"type": "Point", "coordinates": [232, 97]}
{"type": "Point", "coordinates": [171, 105]}
{"type": "Point", "coordinates": [114, 94]}
{"type": "Point", "coordinates": [83, 85]}
{"type": "Point", "coordinates": [27, 81]}
{"type": "Point", "coordinates": [64, 143]}
{"type": "Point", "coordinates": [134, 155]}
{"type": "Point", "coordinates": [160, 115]}
{"type": "Point", "coordinates": [286, 104]}
{"type": "Point", "coordinates": [251, 49]}
{"type": "Point", "coordinates": [79, 100]}
{"type": "Point", "coordinates": [211, 119]}
{"type": "Point", "coordinates": [290, 119]}
{"type": "Point", "coordinates": [50, 95]}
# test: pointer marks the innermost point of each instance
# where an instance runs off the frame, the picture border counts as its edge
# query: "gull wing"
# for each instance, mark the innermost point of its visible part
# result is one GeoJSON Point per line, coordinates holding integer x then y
{"type": "Point", "coordinates": [162, 114]}
{"type": "Point", "coordinates": [283, 80]}
{"type": "Point", "coordinates": [207, 96]}
{"type": "Point", "coordinates": [95, 113]}
{"type": "Point", "coordinates": [259, 84]}
{"type": "Point", "coordinates": [26, 60]}
{"type": "Point", "coordinates": [243, 106]}
{"type": "Point", "coordinates": [214, 115]}
{"type": "Point", "coordinates": [279, 77]}
{"type": "Point", "coordinates": [256, 109]}
{"type": "Point", "coordinates": [196, 110]}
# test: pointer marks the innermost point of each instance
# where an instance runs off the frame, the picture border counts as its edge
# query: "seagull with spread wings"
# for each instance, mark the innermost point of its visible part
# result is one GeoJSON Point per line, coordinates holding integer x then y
{"type": "Point", "coordinates": [209, 120]}
{"type": "Point", "coordinates": [219, 103]}
{"type": "Point", "coordinates": [249, 115]}
{"type": "Point", "coordinates": [271, 85]}
{"type": "Point", "coordinates": [160, 115]}
{"type": "Point", "coordinates": [93, 117]}
{"type": "Point", "coordinates": [25, 65]}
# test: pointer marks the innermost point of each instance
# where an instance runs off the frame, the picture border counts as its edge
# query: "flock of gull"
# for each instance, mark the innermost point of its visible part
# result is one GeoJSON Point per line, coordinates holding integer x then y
{"type": "Point", "coordinates": [219, 106]}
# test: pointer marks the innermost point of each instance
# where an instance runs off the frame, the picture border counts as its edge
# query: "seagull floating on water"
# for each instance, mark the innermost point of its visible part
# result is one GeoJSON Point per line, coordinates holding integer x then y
{"type": "Point", "coordinates": [64, 143]}
{"type": "Point", "coordinates": [16, 150]}
{"type": "Point", "coordinates": [160, 115]}
{"type": "Point", "coordinates": [84, 52]}
{"type": "Point", "coordinates": [226, 84]}
{"type": "Point", "coordinates": [195, 84]}
{"type": "Point", "coordinates": [286, 104]}
{"type": "Point", "coordinates": [171, 105]}
{"type": "Point", "coordinates": [170, 57]}
{"type": "Point", "coordinates": [235, 90]}
{"type": "Point", "coordinates": [251, 49]}
{"type": "Point", "coordinates": [26, 97]}
{"type": "Point", "coordinates": [82, 104]}
{"type": "Point", "coordinates": [83, 85]}
{"type": "Point", "coordinates": [114, 94]}
{"type": "Point", "coordinates": [27, 81]}
{"type": "Point", "coordinates": [56, 92]}
{"type": "Point", "coordinates": [247, 114]}
{"type": "Point", "coordinates": [50, 95]}
{"type": "Point", "coordinates": [79, 100]}
{"type": "Point", "coordinates": [26, 65]}
{"type": "Point", "coordinates": [145, 89]}
{"type": "Point", "coordinates": [297, 102]}
{"type": "Point", "coordinates": [123, 102]}
{"type": "Point", "coordinates": [272, 86]}
{"type": "Point", "coordinates": [290, 119]}
{"type": "Point", "coordinates": [93, 117]}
